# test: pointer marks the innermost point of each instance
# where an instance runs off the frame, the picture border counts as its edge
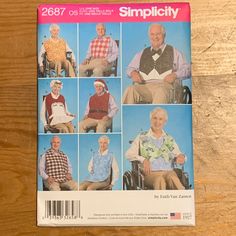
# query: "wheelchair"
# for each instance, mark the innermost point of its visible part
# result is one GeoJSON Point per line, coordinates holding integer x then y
{"type": "Point", "coordinates": [184, 96]}
{"type": "Point", "coordinates": [134, 179]}
{"type": "Point", "coordinates": [50, 72]}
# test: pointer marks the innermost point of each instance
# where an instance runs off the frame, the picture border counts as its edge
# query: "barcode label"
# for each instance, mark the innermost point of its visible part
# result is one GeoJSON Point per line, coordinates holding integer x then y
{"type": "Point", "coordinates": [58, 209]}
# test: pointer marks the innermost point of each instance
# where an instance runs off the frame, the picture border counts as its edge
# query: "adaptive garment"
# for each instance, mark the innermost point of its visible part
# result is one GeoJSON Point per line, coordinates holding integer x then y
{"type": "Point", "coordinates": [56, 165]}
{"type": "Point", "coordinates": [101, 167]}
{"type": "Point", "coordinates": [56, 50]}
{"type": "Point", "coordinates": [161, 65]}
{"type": "Point", "coordinates": [158, 151]}
{"type": "Point", "coordinates": [100, 47]}
{"type": "Point", "coordinates": [98, 106]}
{"type": "Point", "coordinates": [56, 110]}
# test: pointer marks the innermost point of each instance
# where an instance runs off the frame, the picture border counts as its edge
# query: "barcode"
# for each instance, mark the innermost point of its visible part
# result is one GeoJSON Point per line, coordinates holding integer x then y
{"type": "Point", "coordinates": [66, 209]}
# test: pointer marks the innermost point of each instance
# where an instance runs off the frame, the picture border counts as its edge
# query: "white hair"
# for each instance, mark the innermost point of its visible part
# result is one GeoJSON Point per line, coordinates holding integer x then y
{"type": "Point", "coordinates": [56, 82]}
{"type": "Point", "coordinates": [162, 28]}
{"type": "Point", "coordinates": [157, 110]}
{"type": "Point", "coordinates": [101, 25]}
{"type": "Point", "coordinates": [104, 137]}
{"type": "Point", "coordinates": [55, 136]}
{"type": "Point", "coordinates": [54, 26]}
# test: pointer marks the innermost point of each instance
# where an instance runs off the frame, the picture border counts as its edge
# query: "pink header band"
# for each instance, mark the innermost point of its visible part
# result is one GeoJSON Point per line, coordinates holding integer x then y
{"type": "Point", "coordinates": [140, 12]}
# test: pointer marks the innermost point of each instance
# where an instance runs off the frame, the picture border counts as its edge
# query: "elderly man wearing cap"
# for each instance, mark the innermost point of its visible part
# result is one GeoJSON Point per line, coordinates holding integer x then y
{"type": "Point", "coordinates": [54, 111]}
{"type": "Point", "coordinates": [101, 54]}
{"type": "Point", "coordinates": [56, 49]}
{"type": "Point", "coordinates": [100, 109]}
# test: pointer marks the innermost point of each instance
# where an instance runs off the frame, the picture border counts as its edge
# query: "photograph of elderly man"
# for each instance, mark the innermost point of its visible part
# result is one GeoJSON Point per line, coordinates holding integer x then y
{"type": "Point", "coordinates": [100, 110]}
{"type": "Point", "coordinates": [55, 168]}
{"type": "Point", "coordinates": [156, 71]}
{"type": "Point", "coordinates": [101, 54]}
{"type": "Point", "coordinates": [103, 168]}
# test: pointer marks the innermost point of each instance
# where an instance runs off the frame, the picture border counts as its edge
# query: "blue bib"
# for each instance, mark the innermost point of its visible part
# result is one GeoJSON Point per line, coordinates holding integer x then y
{"type": "Point", "coordinates": [101, 167]}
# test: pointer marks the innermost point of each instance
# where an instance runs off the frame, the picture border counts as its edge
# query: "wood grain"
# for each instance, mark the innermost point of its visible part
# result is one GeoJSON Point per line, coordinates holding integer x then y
{"type": "Point", "coordinates": [214, 127]}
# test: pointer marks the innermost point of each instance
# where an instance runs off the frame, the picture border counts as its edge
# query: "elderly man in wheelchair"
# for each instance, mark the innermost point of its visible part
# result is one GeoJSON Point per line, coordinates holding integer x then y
{"type": "Point", "coordinates": [157, 72]}
{"type": "Point", "coordinates": [55, 56]}
{"type": "Point", "coordinates": [157, 161]}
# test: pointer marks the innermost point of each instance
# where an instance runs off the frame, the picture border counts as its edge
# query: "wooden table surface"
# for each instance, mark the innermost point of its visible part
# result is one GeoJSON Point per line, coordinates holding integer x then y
{"type": "Point", "coordinates": [214, 126]}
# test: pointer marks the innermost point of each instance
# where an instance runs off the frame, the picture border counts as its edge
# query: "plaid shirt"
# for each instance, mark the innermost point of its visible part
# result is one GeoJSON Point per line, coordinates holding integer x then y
{"type": "Point", "coordinates": [56, 165]}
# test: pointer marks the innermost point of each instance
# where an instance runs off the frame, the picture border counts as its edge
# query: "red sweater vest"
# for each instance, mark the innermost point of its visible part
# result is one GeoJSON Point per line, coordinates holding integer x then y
{"type": "Point", "coordinates": [49, 101]}
{"type": "Point", "coordinates": [98, 106]}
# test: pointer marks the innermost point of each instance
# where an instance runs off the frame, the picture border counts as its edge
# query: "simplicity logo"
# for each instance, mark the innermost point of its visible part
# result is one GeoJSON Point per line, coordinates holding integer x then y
{"type": "Point", "coordinates": [153, 11]}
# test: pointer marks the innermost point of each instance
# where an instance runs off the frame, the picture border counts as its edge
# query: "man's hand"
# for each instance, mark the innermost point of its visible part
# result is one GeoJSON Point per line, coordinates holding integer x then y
{"type": "Point", "coordinates": [110, 186]}
{"type": "Point", "coordinates": [85, 117]}
{"type": "Point", "coordinates": [41, 69]}
{"type": "Point", "coordinates": [73, 62]}
{"type": "Point", "coordinates": [170, 78]}
{"type": "Point", "coordinates": [68, 176]}
{"type": "Point", "coordinates": [136, 77]}
{"type": "Point", "coordinates": [180, 159]}
{"type": "Point", "coordinates": [68, 114]}
{"type": "Point", "coordinates": [105, 63]}
{"type": "Point", "coordinates": [85, 62]}
{"type": "Point", "coordinates": [46, 127]}
{"type": "Point", "coordinates": [91, 171]}
{"type": "Point", "coordinates": [146, 167]}
{"type": "Point", "coordinates": [50, 180]}
{"type": "Point", "coordinates": [106, 118]}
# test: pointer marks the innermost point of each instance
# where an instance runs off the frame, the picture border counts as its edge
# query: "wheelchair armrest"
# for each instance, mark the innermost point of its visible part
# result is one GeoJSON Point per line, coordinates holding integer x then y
{"type": "Point", "coordinates": [137, 172]}
{"type": "Point", "coordinates": [136, 165]}
{"type": "Point", "coordinates": [69, 55]}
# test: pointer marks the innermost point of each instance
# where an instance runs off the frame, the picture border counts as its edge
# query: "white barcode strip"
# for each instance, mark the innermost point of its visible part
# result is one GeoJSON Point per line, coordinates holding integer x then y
{"type": "Point", "coordinates": [58, 209]}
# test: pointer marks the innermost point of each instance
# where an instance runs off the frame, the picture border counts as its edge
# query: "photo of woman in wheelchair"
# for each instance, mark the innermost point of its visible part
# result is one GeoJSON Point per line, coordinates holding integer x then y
{"type": "Point", "coordinates": [157, 162]}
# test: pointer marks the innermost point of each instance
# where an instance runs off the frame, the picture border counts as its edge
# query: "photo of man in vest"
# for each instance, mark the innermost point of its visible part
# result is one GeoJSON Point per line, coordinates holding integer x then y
{"type": "Point", "coordinates": [102, 53]}
{"type": "Point", "coordinates": [155, 71]}
{"type": "Point", "coordinates": [56, 49]}
{"type": "Point", "coordinates": [55, 168]}
{"type": "Point", "coordinates": [54, 111]}
{"type": "Point", "coordinates": [100, 109]}
{"type": "Point", "coordinates": [100, 167]}
{"type": "Point", "coordinates": [159, 154]}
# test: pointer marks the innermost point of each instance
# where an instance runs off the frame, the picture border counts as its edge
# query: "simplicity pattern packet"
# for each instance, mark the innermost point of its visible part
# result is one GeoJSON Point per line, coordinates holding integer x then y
{"type": "Point", "coordinates": [115, 115]}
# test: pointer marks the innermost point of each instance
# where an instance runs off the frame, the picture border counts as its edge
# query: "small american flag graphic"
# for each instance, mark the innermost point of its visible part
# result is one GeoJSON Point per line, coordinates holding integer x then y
{"type": "Point", "coordinates": [175, 216]}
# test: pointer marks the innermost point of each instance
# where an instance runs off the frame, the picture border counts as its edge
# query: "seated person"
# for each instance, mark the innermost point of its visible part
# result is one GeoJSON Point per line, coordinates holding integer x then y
{"type": "Point", "coordinates": [100, 110]}
{"type": "Point", "coordinates": [55, 168]}
{"type": "Point", "coordinates": [101, 54]}
{"type": "Point", "coordinates": [158, 153]}
{"type": "Point", "coordinates": [100, 167]}
{"type": "Point", "coordinates": [54, 111]}
{"type": "Point", "coordinates": [56, 49]}
{"type": "Point", "coordinates": [155, 71]}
